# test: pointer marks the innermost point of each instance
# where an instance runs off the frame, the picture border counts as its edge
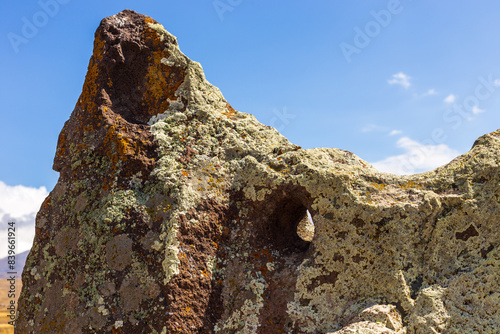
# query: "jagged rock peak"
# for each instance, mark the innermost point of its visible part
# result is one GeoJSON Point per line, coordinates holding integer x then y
{"type": "Point", "coordinates": [141, 71]}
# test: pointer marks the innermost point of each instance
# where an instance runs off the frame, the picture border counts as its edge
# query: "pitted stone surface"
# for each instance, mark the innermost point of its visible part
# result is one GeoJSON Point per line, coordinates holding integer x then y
{"type": "Point", "coordinates": [175, 213]}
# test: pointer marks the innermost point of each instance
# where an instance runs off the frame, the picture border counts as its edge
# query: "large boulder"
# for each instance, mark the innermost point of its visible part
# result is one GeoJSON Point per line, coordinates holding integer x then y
{"type": "Point", "coordinates": [175, 213]}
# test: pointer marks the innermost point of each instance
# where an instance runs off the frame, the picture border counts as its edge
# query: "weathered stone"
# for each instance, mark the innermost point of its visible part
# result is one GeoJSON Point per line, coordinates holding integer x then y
{"type": "Point", "coordinates": [366, 327]}
{"type": "Point", "coordinates": [386, 315]}
{"type": "Point", "coordinates": [176, 213]}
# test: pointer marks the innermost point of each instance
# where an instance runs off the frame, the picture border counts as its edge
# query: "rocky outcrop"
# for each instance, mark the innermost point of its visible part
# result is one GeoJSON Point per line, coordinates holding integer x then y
{"type": "Point", "coordinates": [175, 213]}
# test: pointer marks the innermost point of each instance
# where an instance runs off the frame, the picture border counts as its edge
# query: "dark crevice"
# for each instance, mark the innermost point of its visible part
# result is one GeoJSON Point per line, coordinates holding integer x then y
{"type": "Point", "coordinates": [467, 234]}
{"type": "Point", "coordinates": [284, 223]}
{"type": "Point", "coordinates": [486, 251]}
{"type": "Point", "coordinates": [415, 286]}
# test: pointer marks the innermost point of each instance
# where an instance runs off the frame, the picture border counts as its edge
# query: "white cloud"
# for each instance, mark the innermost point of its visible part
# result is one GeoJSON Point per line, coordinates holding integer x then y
{"type": "Point", "coordinates": [429, 92]}
{"type": "Point", "coordinates": [395, 132]}
{"type": "Point", "coordinates": [476, 110]}
{"type": "Point", "coordinates": [450, 99]}
{"type": "Point", "coordinates": [417, 158]}
{"type": "Point", "coordinates": [373, 127]}
{"type": "Point", "coordinates": [497, 82]}
{"type": "Point", "coordinates": [400, 79]}
{"type": "Point", "coordinates": [19, 204]}
{"type": "Point", "coordinates": [20, 200]}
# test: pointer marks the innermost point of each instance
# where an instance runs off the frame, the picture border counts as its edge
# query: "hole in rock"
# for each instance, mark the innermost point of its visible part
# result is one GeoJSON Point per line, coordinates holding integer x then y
{"type": "Point", "coordinates": [292, 227]}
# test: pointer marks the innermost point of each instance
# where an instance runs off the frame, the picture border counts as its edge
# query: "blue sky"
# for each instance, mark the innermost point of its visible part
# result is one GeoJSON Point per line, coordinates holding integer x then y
{"type": "Point", "coordinates": [406, 85]}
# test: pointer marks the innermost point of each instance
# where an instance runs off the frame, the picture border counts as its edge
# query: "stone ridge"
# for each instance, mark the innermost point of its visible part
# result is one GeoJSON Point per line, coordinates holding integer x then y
{"type": "Point", "coordinates": [175, 213]}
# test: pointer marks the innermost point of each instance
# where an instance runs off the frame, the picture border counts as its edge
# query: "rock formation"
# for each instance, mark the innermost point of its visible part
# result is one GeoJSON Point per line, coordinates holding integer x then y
{"type": "Point", "coordinates": [175, 213]}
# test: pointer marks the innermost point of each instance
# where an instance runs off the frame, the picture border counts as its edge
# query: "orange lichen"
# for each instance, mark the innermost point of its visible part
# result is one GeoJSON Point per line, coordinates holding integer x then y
{"type": "Point", "coordinates": [378, 186]}
{"type": "Point", "coordinates": [47, 202]}
{"type": "Point", "coordinates": [61, 145]}
{"type": "Point", "coordinates": [229, 113]}
{"type": "Point", "coordinates": [90, 87]}
{"type": "Point", "coordinates": [161, 80]}
{"type": "Point", "coordinates": [411, 185]}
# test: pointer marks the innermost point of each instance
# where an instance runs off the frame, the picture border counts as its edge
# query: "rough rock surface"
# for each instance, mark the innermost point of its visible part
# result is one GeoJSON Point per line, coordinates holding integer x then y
{"type": "Point", "coordinates": [175, 213]}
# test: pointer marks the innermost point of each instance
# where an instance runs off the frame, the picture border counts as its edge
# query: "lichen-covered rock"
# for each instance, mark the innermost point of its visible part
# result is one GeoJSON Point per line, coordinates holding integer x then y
{"type": "Point", "coordinates": [176, 213]}
{"type": "Point", "coordinates": [366, 327]}
{"type": "Point", "coordinates": [377, 319]}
